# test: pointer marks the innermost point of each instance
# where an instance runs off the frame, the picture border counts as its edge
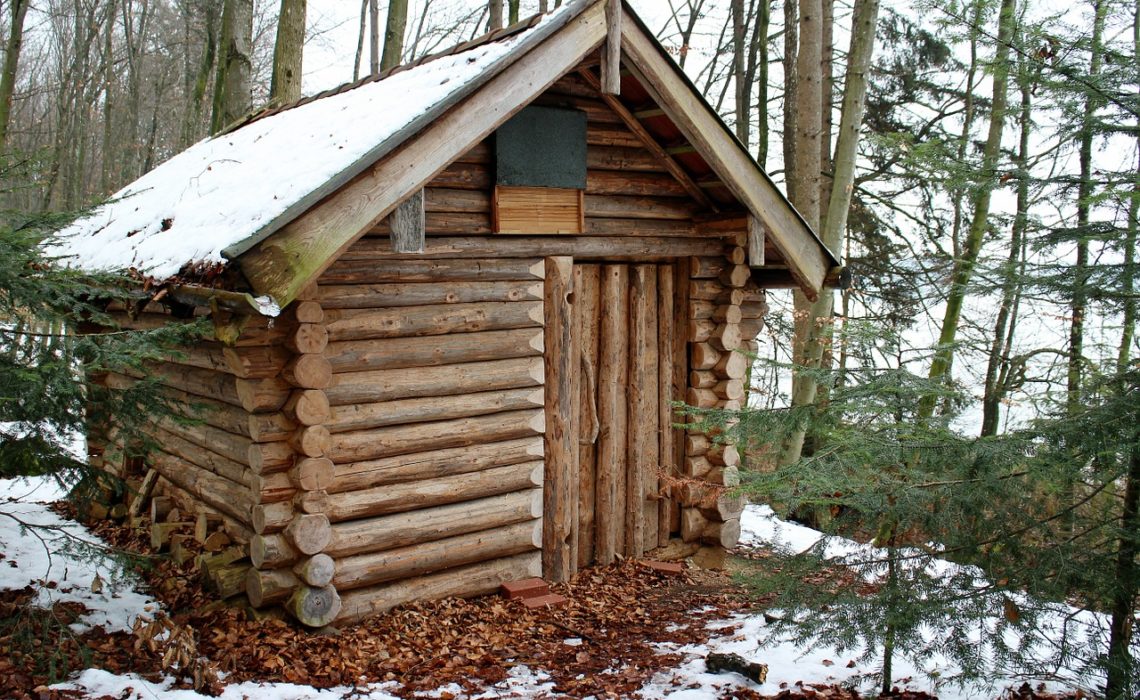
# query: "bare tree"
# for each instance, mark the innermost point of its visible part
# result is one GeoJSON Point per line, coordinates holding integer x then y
{"type": "Point", "coordinates": [373, 36]}
{"type": "Point", "coordinates": [495, 15]}
{"type": "Point", "coordinates": [288, 52]}
{"type": "Point", "coordinates": [394, 34]}
{"type": "Point", "coordinates": [18, 10]}
{"type": "Point", "coordinates": [232, 98]}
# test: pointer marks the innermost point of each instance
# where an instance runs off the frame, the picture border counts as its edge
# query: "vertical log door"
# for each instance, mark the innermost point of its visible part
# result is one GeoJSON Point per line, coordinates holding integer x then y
{"type": "Point", "coordinates": [616, 361]}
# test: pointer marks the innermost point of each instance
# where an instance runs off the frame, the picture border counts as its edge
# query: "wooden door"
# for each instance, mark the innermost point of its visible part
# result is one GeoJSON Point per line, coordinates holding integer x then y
{"type": "Point", "coordinates": [627, 367]}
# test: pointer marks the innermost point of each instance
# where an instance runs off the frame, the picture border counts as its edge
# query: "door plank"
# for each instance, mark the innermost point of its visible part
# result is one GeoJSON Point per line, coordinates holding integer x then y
{"type": "Point", "coordinates": [666, 291]}
{"type": "Point", "coordinates": [560, 472]}
{"type": "Point", "coordinates": [641, 461]}
{"type": "Point", "coordinates": [613, 365]}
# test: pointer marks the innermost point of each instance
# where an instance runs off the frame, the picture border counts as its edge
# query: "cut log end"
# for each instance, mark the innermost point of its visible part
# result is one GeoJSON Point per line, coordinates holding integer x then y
{"type": "Point", "coordinates": [314, 607]}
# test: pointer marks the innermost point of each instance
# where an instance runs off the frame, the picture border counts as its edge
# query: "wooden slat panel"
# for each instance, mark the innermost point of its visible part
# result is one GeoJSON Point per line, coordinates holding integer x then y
{"type": "Point", "coordinates": [613, 366]}
{"type": "Point", "coordinates": [537, 210]}
{"type": "Point", "coordinates": [587, 307]}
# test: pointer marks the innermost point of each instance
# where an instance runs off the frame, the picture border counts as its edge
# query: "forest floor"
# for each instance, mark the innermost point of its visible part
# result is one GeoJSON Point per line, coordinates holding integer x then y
{"type": "Point", "coordinates": [150, 631]}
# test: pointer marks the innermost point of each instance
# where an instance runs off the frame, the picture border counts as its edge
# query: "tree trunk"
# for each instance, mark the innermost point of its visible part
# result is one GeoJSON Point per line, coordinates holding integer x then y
{"type": "Point", "coordinates": [758, 76]}
{"type": "Point", "coordinates": [1084, 195]}
{"type": "Point", "coordinates": [288, 52]}
{"type": "Point", "coordinates": [739, 47]}
{"type": "Point", "coordinates": [791, 48]}
{"type": "Point", "coordinates": [360, 40]}
{"type": "Point", "coordinates": [495, 15]}
{"type": "Point", "coordinates": [394, 34]}
{"type": "Point", "coordinates": [964, 266]}
{"type": "Point", "coordinates": [373, 37]}
{"type": "Point", "coordinates": [232, 98]}
{"type": "Point", "coordinates": [994, 388]}
{"type": "Point", "coordinates": [813, 329]}
{"type": "Point", "coordinates": [1123, 608]}
{"type": "Point", "coordinates": [513, 11]}
{"type": "Point", "coordinates": [19, 10]}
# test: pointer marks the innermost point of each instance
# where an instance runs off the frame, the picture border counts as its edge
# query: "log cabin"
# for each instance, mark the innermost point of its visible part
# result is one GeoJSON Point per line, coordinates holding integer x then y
{"type": "Point", "coordinates": [453, 306]}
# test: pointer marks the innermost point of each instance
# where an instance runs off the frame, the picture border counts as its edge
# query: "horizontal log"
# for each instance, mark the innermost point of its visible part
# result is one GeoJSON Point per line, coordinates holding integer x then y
{"type": "Point", "coordinates": [269, 457]}
{"type": "Point", "coordinates": [365, 296]}
{"type": "Point", "coordinates": [271, 517]}
{"type": "Point", "coordinates": [309, 534]}
{"type": "Point", "coordinates": [206, 383]}
{"type": "Point", "coordinates": [725, 534]}
{"type": "Point", "coordinates": [308, 372]}
{"type": "Point", "coordinates": [751, 327]}
{"type": "Point", "coordinates": [432, 408]}
{"type": "Point", "coordinates": [420, 437]}
{"type": "Point", "coordinates": [726, 337]}
{"type": "Point", "coordinates": [733, 365]}
{"type": "Point", "coordinates": [442, 319]}
{"type": "Point", "coordinates": [472, 580]}
{"type": "Point", "coordinates": [262, 395]}
{"type": "Point", "coordinates": [598, 226]}
{"type": "Point", "coordinates": [318, 570]}
{"type": "Point", "coordinates": [445, 380]}
{"type": "Point", "coordinates": [398, 353]}
{"type": "Point", "coordinates": [611, 135]}
{"type": "Point", "coordinates": [256, 362]}
{"type": "Point", "coordinates": [233, 447]}
{"type": "Point", "coordinates": [237, 530]}
{"type": "Point", "coordinates": [308, 407]}
{"type": "Point", "coordinates": [311, 440]}
{"type": "Point", "coordinates": [707, 266]}
{"type": "Point", "coordinates": [272, 551]}
{"type": "Point", "coordinates": [314, 607]}
{"type": "Point", "coordinates": [312, 474]}
{"type": "Point", "coordinates": [704, 356]}
{"type": "Point", "coordinates": [266, 588]}
{"type": "Point", "coordinates": [651, 208]}
{"type": "Point", "coordinates": [446, 199]}
{"type": "Point", "coordinates": [215, 491]}
{"type": "Point", "coordinates": [605, 182]}
{"type": "Point", "coordinates": [754, 309]}
{"type": "Point", "coordinates": [392, 565]}
{"type": "Point", "coordinates": [465, 176]}
{"type": "Point", "coordinates": [701, 330]}
{"type": "Point", "coordinates": [203, 458]}
{"type": "Point", "coordinates": [312, 502]}
{"type": "Point", "coordinates": [622, 158]}
{"type": "Point", "coordinates": [702, 379]}
{"type": "Point", "coordinates": [425, 493]}
{"type": "Point", "coordinates": [436, 463]}
{"type": "Point", "coordinates": [203, 354]}
{"type": "Point", "coordinates": [307, 338]}
{"type": "Point", "coordinates": [614, 249]}
{"type": "Point", "coordinates": [431, 524]}
{"type": "Point", "coordinates": [369, 272]}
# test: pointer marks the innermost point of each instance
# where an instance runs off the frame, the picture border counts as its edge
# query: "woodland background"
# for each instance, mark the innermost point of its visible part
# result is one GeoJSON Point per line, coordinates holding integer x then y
{"type": "Point", "coordinates": [975, 163]}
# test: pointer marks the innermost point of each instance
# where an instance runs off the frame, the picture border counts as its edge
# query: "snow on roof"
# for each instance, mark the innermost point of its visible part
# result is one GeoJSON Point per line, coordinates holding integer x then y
{"type": "Point", "coordinates": [228, 188]}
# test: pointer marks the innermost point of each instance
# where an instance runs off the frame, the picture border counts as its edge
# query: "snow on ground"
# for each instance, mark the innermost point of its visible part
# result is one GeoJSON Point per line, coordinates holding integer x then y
{"type": "Point", "coordinates": [39, 546]}
{"type": "Point", "coordinates": [748, 635]}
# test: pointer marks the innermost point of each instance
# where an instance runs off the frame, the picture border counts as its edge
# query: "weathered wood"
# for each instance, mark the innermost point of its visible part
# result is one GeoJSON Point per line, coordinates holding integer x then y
{"type": "Point", "coordinates": [723, 455]}
{"type": "Point", "coordinates": [392, 271]}
{"type": "Point", "coordinates": [730, 389]}
{"type": "Point", "coordinates": [704, 356]}
{"type": "Point", "coordinates": [397, 498]}
{"type": "Point", "coordinates": [201, 457]}
{"type": "Point", "coordinates": [725, 534]}
{"type": "Point", "coordinates": [307, 338]}
{"type": "Point", "coordinates": [707, 267]}
{"type": "Point", "coordinates": [318, 570]}
{"type": "Point", "coordinates": [587, 310]}
{"type": "Point", "coordinates": [218, 492]}
{"type": "Point", "coordinates": [633, 184]}
{"type": "Point", "coordinates": [193, 380]}
{"type": "Point", "coordinates": [432, 408]}
{"type": "Point", "coordinates": [702, 398]}
{"type": "Point", "coordinates": [312, 501]}
{"type": "Point", "coordinates": [205, 525]}
{"type": "Point", "coordinates": [594, 248]}
{"type": "Point", "coordinates": [444, 319]}
{"type": "Point", "coordinates": [311, 440]}
{"type": "Point", "coordinates": [143, 495]}
{"type": "Point", "coordinates": [701, 330]}
{"type": "Point", "coordinates": [417, 437]}
{"type": "Point", "coordinates": [680, 376]}
{"type": "Point", "coordinates": [288, 261]}
{"type": "Point", "coordinates": [731, 162]}
{"type": "Point", "coordinates": [161, 533]}
{"type": "Point", "coordinates": [703, 379]}
{"type": "Point", "coordinates": [431, 524]}
{"type": "Point", "coordinates": [560, 462]}
{"type": "Point", "coordinates": [269, 457]}
{"type": "Point", "coordinates": [312, 473]}
{"type": "Point", "coordinates": [693, 524]}
{"type": "Point", "coordinates": [308, 407]}
{"type": "Point", "coordinates": [611, 50]}
{"type": "Point", "coordinates": [271, 488]}
{"type": "Point", "coordinates": [229, 580]}
{"type": "Point", "coordinates": [735, 276]}
{"type": "Point", "coordinates": [727, 313]}
{"type": "Point", "coordinates": [216, 541]}
{"type": "Point", "coordinates": [726, 337]}
{"type": "Point", "coordinates": [268, 587]}
{"type": "Point", "coordinates": [272, 551]}
{"type": "Point", "coordinates": [473, 580]}
{"type": "Point", "coordinates": [756, 239]}
{"type": "Point", "coordinates": [666, 293]}
{"type": "Point", "coordinates": [308, 372]}
{"type": "Point", "coordinates": [612, 412]}
{"type": "Point", "coordinates": [366, 296]}
{"type": "Point", "coordinates": [642, 437]}
{"type": "Point", "coordinates": [444, 199]}
{"type": "Point", "coordinates": [436, 463]}
{"type": "Point", "coordinates": [652, 209]}
{"type": "Point", "coordinates": [408, 224]}
{"type": "Point", "coordinates": [458, 349]}
{"type": "Point", "coordinates": [732, 365]}
{"type": "Point", "coordinates": [256, 362]}
{"type": "Point", "coordinates": [309, 534]}
{"type": "Point", "coordinates": [370, 569]}
{"type": "Point", "coordinates": [262, 395]}
{"type": "Point", "coordinates": [314, 607]}
{"type": "Point", "coordinates": [531, 210]}
{"type": "Point", "coordinates": [268, 518]}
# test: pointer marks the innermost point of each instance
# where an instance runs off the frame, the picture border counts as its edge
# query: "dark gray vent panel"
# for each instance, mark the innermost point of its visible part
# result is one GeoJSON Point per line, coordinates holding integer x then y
{"type": "Point", "coordinates": [542, 147]}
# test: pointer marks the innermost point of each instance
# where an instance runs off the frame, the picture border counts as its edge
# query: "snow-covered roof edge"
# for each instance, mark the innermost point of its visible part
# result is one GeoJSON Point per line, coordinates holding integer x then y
{"type": "Point", "coordinates": [532, 38]}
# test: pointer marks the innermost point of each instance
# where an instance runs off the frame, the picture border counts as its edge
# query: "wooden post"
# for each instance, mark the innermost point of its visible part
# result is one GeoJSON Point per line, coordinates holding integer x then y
{"type": "Point", "coordinates": [560, 470]}
{"type": "Point", "coordinates": [587, 304]}
{"type": "Point", "coordinates": [611, 51]}
{"type": "Point", "coordinates": [641, 464]}
{"type": "Point", "coordinates": [666, 454]}
{"type": "Point", "coordinates": [613, 366]}
{"type": "Point", "coordinates": [756, 235]}
{"type": "Point", "coordinates": [408, 224]}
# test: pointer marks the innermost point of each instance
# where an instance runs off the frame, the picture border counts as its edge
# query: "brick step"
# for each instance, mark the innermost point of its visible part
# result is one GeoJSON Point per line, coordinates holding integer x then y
{"type": "Point", "coordinates": [544, 601]}
{"type": "Point", "coordinates": [669, 568]}
{"type": "Point", "coordinates": [525, 588]}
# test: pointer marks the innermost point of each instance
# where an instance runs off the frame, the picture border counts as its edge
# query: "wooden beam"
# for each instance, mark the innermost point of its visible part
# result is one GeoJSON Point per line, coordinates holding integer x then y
{"type": "Point", "coordinates": [561, 461]}
{"type": "Point", "coordinates": [808, 259]}
{"type": "Point", "coordinates": [608, 248]}
{"type": "Point", "coordinates": [408, 224]}
{"type": "Point", "coordinates": [611, 52]}
{"type": "Point", "coordinates": [649, 113]}
{"type": "Point", "coordinates": [287, 262]}
{"type": "Point", "coordinates": [756, 236]}
{"type": "Point", "coordinates": [651, 143]}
